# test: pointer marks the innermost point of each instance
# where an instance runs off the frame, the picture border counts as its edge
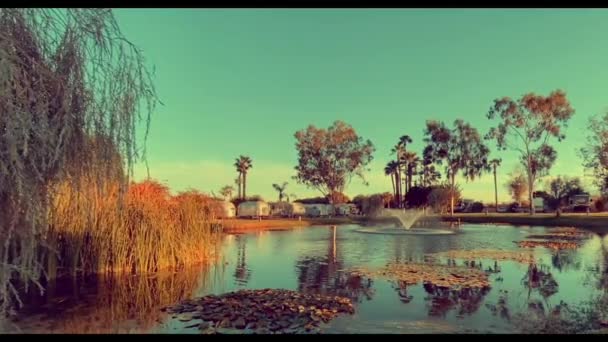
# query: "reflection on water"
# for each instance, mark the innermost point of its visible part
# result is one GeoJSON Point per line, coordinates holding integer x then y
{"type": "Point", "coordinates": [109, 304]}
{"type": "Point", "coordinates": [242, 273]}
{"type": "Point", "coordinates": [316, 260]}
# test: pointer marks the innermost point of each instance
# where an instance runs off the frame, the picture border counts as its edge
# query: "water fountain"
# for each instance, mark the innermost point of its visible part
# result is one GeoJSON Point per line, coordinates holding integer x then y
{"type": "Point", "coordinates": [406, 218]}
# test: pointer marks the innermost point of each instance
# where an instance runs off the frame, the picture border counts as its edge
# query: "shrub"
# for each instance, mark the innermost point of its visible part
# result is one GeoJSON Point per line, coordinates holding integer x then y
{"type": "Point", "coordinates": [600, 204]}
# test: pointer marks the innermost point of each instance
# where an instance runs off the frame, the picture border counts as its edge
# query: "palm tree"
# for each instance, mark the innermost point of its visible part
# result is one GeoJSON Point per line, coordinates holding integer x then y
{"type": "Point", "coordinates": [411, 160]}
{"type": "Point", "coordinates": [243, 164]}
{"type": "Point", "coordinates": [494, 163]}
{"type": "Point", "coordinates": [227, 192]}
{"type": "Point", "coordinates": [400, 149]}
{"type": "Point", "coordinates": [391, 169]}
{"type": "Point", "coordinates": [281, 189]}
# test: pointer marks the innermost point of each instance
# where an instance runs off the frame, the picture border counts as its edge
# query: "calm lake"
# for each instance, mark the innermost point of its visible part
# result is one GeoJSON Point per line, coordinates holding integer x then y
{"type": "Point", "coordinates": [308, 260]}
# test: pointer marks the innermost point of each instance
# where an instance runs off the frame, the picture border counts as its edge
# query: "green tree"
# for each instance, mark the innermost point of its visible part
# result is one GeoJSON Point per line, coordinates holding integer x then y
{"type": "Point", "coordinates": [460, 149]}
{"type": "Point", "coordinates": [517, 186]}
{"type": "Point", "coordinates": [329, 158]}
{"type": "Point", "coordinates": [563, 187]}
{"type": "Point", "coordinates": [595, 151]}
{"type": "Point", "coordinates": [526, 125]}
{"type": "Point", "coordinates": [242, 165]}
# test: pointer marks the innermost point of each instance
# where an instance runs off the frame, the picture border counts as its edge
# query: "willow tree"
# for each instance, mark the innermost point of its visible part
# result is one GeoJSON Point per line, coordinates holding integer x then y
{"type": "Point", "coordinates": [460, 149]}
{"type": "Point", "coordinates": [66, 75]}
{"type": "Point", "coordinates": [525, 126]}
{"type": "Point", "coordinates": [329, 158]}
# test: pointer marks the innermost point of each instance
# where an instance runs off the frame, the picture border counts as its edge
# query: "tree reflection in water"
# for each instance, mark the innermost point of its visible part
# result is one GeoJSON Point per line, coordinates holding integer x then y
{"type": "Point", "coordinates": [566, 259]}
{"type": "Point", "coordinates": [444, 299]}
{"type": "Point", "coordinates": [242, 273]}
{"type": "Point", "coordinates": [540, 279]}
{"type": "Point", "coordinates": [325, 275]}
{"type": "Point", "coordinates": [112, 304]}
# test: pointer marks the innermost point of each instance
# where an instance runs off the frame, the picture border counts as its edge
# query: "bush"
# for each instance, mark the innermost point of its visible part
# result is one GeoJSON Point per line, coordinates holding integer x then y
{"type": "Point", "coordinates": [477, 207]}
{"type": "Point", "coordinates": [439, 198]}
{"type": "Point", "coordinates": [600, 204]}
{"type": "Point", "coordinates": [418, 196]}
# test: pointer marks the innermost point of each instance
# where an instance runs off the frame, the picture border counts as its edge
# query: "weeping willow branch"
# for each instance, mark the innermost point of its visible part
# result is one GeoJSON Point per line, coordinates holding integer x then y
{"type": "Point", "coordinates": [72, 91]}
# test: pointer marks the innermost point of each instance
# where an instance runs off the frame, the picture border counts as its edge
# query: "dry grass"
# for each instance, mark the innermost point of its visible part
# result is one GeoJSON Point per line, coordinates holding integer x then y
{"type": "Point", "coordinates": [151, 231]}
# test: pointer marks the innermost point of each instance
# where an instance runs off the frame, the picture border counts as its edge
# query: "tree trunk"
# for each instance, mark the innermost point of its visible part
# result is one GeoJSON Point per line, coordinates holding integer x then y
{"type": "Point", "coordinates": [244, 184]}
{"type": "Point", "coordinates": [394, 190]}
{"type": "Point", "coordinates": [398, 183]}
{"type": "Point", "coordinates": [530, 188]}
{"type": "Point", "coordinates": [495, 191]}
{"type": "Point", "coordinates": [452, 181]}
{"type": "Point", "coordinates": [409, 175]}
{"type": "Point", "coordinates": [239, 185]}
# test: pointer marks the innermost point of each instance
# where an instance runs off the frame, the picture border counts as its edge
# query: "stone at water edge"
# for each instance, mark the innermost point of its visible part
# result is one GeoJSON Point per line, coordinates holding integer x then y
{"type": "Point", "coordinates": [184, 317]}
{"type": "Point", "coordinates": [239, 323]}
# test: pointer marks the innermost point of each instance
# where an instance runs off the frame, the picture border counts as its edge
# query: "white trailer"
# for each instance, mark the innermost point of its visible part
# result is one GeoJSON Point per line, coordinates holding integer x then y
{"type": "Point", "coordinates": [318, 210]}
{"type": "Point", "coordinates": [253, 209]}
{"type": "Point", "coordinates": [227, 210]}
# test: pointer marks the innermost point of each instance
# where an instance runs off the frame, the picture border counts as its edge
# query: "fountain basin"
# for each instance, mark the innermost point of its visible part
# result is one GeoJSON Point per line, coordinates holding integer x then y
{"type": "Point", "coordinates": [403, 231]}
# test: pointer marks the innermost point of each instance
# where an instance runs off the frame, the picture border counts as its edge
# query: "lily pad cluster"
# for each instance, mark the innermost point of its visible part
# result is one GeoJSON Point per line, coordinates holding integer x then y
{"type": "Point", "coordinates": [455, 277]}
{"type": "Point", "coordinates": [477, 254]}
{"type": "Point", "coordinates": [555, 245]}
{"type": "Point", "coordinates": [265, 311]}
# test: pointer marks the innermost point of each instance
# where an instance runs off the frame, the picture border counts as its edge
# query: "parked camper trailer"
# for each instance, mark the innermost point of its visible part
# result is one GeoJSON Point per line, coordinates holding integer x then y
{"type": "Point", "coordinates": [580, 202]}
{"type": "Point", "coordinates": [253, 209]}
{"type": "Point", "coordinates": [286, 209]}
{"type": "Point", "coordinates": [297, 209]}
{"type": "Point", "coordinates": [227, 210]}
{"type": "Point", "coordinates": [318, 210]}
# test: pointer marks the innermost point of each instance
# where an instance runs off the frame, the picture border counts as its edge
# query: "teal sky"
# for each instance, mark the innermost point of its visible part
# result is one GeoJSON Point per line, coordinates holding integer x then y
{"type": "Point", "coordinates": [243, 81]}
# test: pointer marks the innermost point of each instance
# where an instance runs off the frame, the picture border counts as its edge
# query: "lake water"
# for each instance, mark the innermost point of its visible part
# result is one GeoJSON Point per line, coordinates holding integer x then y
{"type": "Point", "coordinates": [308, 260]}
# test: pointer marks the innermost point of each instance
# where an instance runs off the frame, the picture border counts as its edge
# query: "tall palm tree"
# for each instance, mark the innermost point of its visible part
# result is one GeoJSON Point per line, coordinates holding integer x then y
{"type": "Point", "coordinates": [400, 149]}
{"type": "Point", "coordinates": [243, 164]}
{"type": "Point", "coordinates": [411, 160]}
{"type": "Point", "coordinates": [281, 189]}
{"type": "Point", "coordinates": [237, 182]}
{"type": "Point", "coordinates": [391, 169]}
{"type": "Point", "coordinates": [494, 163]}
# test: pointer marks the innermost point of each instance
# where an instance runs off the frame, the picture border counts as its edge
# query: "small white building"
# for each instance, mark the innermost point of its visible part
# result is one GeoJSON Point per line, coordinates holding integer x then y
{"type": "Point", "coordinates": [226, 210]}
{"type": "Point", "coordinates": [253, 209]}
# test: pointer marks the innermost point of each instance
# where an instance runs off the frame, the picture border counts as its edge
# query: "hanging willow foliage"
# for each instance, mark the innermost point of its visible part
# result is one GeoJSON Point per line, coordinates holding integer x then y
{"type": "Point", "coordinates": [67, 78]}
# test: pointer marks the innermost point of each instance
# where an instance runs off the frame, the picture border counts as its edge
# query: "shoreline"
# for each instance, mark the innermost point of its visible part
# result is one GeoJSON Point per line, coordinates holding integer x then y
{"type": "Point", "coordinates": [236, 225]}
{"type": "Point", "coordinates": [592, 221]}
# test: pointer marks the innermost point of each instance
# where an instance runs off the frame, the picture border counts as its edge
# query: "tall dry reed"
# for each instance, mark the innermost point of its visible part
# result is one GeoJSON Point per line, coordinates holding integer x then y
{"type": "Point", "coordinates": [151, 230]}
